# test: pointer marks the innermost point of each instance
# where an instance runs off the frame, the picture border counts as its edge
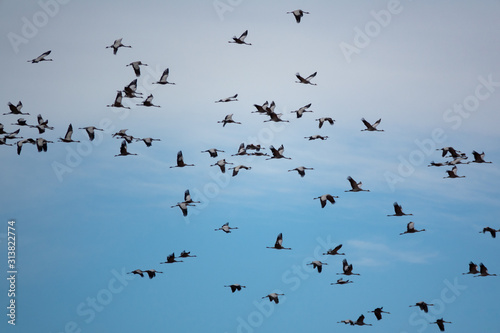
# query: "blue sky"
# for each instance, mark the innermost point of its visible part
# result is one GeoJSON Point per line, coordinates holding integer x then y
{"type": "Point", "coordinates": [84, 217]}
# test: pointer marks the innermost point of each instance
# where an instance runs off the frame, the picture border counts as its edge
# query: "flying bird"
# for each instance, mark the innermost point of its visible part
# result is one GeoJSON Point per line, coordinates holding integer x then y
{"type": "Point", "coordinates": [317, 264]}
{"type": "Point", "coordinates": [261, 108]}
{"type": "Point", "coordinates": [131, 90]}
{"type": "Point", "coordinates": [483, 271]}
{"type": "Point", "coordinates": [298, 13]}
{"type": "Point", "coordinates": [180, 161]}
{"type": "Point", "coordinates": [188, 199]}
{"type": "Point", "coordinates": [236, 169]}
{"type": "Point", "coordinates": [347, 268]}
{"type": "Point", "coordinates": [185, 254]}
{"type": "Point", "coordinates": [472, 269]}
{"type": "Point", "coordinates": [241, 39]}
{"type": "Point", "coordinates": [453, 173]}
{"type": "Point", "coordinates": [493, 232]}
{"type": "Point", "coordinates": [423, 306]}
{"type": "Point", "coordinates": [183, 206]}
{"type": "Point", "coordinates": [346, 321]}
{"type": "Point", "coordinates": [12, 135]}
{"type": "Point", "coordinates": [323, 119]}
{"type": "Point", "coordinates": [171, 259]}
{"type": "Point", "coordinates": [213, 152]}
{"type": "Point", "coordinates": [151, 273]}
{"type": "Point", "coordinates": [135, 65]}
{"type": "Point", "coordinates": [301, 170]}
{"type": "Point", "coordinates": [398, 210]}
{"type": "Point", "coordinates": [378, 312]}
{"type": "Point", "coordinates": [20, 143]}
{"type": "Point", "coordinates": [307, 80]}
{"type": "Point", "coordinates": [41, 144]}
{"type": "Point", "coordinates": [360, 321]}
{"type": "Point", "coordinates": [371, 127]}
{"type": "Point", "coordinates": [355, 187]}
{"type": "Point", "coordinates": [278, 153]}
{"type": "Point", "coordinates": [273, 297]}
{"type": "Point", "coordinates": [334, 251]}
{"type": "Point", "coordinates": [326, 197]}
{"type": "Point", "coordinates": [241, 150]}
{"type": "Point", "coordinates": [437, 164]}
{"type": "Point", "coordinates": [226, 228]}
{"type": "Point", "coordinates": [478, 158]}
{"type": "Point", "coordinates": [222, 165]}
{"type": "Point", "coordinates": [440, 323]}
{"type": "Point", "coordinates": [67, 138]}
{"type": "Point", "coordinates": [138, 272]}
{"type": "Point", "coordinates": [279, 244]}
{"type": "Point", "coordinates": [91, 131]}
{"type": "Point", "coordinates": [21, 122]}
{"type": "Point", "coordinates": [275, 117]}
{"type": "Point", "coordinates": [302, 110]}
{"type": "Point", "coordinates": [316, 137]}
{"type": "Point", "coordinates": [147, 141]}
{"type": "Point", "coordinates": [228, 120]}
{"type": "Point", "coordinates": [123, 149]}
{"type": "Point", "coordinates": [342, 281]}
{"type": "Point", "coordinates": [41, 57]}
{"type": "Point", "coordinates": [148, 101]}
{"type": "Point", "coordinates": [163, 78]}
{"type": "Point", "coordinates": [118, 101]}
{"type": "Point", "coordinates": [228, 99]}
{"type": "Point", "coordinates": [117, 44]}
{"type": "Point", "coordinates": [410, 229]}
{"type": "Point", "coordinates": [235, 287]}
{"type": "Point", "coordinates": [16, 109]}
{"type": "Point", "coordinates": [453, 152]}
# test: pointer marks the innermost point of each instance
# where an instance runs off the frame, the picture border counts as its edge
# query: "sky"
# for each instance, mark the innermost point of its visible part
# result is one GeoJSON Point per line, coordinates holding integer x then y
{"type": "Point", "coordinates": [85, 218]}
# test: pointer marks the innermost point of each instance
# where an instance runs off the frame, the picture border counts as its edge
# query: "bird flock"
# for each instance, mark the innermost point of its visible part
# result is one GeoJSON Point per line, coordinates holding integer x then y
{"type": "Point", "coordinates": [266, 109]}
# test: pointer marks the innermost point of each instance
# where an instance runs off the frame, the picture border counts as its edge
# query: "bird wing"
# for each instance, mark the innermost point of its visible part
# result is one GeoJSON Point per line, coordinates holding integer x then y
{"type": "Point", "coordinates": [279, 241]}
{"type": "Point", "coordinates": [187, 196]}
{"type": "Point", "coordinates": [243, 36]}
{"type": "Point", "coordinates": [149, 99]}
{"type": "Point", "coordinates": [311, 76]}
{"type": "Point", "coordinates": [375, 124]}
{"type": "Point", "coordinates": [410, 226]}
{"type": "Point", "coordinates": [123, 148]}
{"type": "Point", "coordinates": [180, 159]}
{"type": "Point", "coordinates": [69, 132]}
{"type": "Point", "coordinates": [353, 183]}
{"type": "Point", "coordinates": [398, 209]}
{"type": "Point", "coordinates": [367, 124]}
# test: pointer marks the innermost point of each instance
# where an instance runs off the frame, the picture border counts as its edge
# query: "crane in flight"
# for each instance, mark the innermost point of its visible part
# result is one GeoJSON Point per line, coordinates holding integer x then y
{"type": "Point", "coordinates": [164, 78]}
{"type": "Point", "coordinates": [440, 323]}
{"type": "Point", "coordinates": [228, 99]}
{"type": "Point", "coordinates": [135, 66]}
{"type": "Point", "coordinates": [334, 251]}
{"type": "Point", "coordinates": [355, 187]}
{"type": "Point", "coordinates": [221, 164]}
{"type": "Point", "coordinates": [301, 170]}
{"type": "Point", "coordinates": [273, 297]}
{"type": "Point", "coordinates": [306, 80]}
{"type": "Point", "coordinates": [41, 57]}
{"type": "Point", "coordinates": [226, 228]}
{"type": "Point", "coordinates": [398, 210]}
{"type": "Point", "coordinates": [241, 39]}
{"type": "Point", "coordinates": [371, 127]}
{"type": "Point", "coordinates": [123, 149]}
{"type": "Point", "coordinates": [116, 45]}
{"type": "Point", "coordinates": [347, 268]}
{"type": "Point", "coordinates": [378, 312]}
{"type": "Point", "coordinates": [180, 161]}
{"type": "Point", "coordinates": [67, 138]}
{"type": "Point", "coordinates": [279, 244]}
{"type": "Point", "coordinates": [16, 109]}
{"type": "Point", "coordinates": [317, 264]}
{"type": "Point", "coordinates": [326, 197]}
{"type": "Point", "coordinates": [297, 13]}
{"type": "Point", "coordinates": [423, 306]}
{"type": "Point", "coordinates": [228, 119]}
{"type": "Point", "coordinates": [235, 287]}
{"type": "Point", "coordinates": [410, 229]}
